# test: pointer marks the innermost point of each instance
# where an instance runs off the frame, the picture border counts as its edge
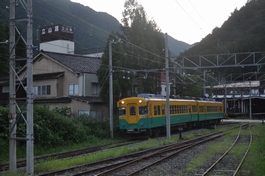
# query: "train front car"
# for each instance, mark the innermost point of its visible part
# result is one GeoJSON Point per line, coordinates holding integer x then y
{"type": "Point", "coordinates": [133, 115]}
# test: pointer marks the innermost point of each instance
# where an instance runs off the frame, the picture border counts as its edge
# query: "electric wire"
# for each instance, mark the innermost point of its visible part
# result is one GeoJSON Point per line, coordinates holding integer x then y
{"type": "Point", "coordinates": [197, 11]}
{"type": "Point", "coordinates": [188, 15]}
{"type": "Point", "coordinates": [102, 32]}
{"type": "Point", "coordinates": [107, 33]}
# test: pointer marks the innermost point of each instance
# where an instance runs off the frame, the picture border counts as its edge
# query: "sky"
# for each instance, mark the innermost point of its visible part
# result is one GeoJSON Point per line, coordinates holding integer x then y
{"type": "Point", "coordinates": [185, 20]}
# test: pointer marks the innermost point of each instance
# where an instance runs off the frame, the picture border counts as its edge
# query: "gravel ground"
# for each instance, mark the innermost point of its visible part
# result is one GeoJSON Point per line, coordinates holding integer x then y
{"type": "Point", "coordinates": [177, 165]}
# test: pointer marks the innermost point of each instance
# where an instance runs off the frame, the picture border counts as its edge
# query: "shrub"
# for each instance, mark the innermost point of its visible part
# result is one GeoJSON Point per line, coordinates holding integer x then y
{"type": "Point", "coordinates": [52, 129]}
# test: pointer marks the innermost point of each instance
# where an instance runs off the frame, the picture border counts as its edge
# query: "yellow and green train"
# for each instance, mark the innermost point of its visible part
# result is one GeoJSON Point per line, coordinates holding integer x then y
{"type": "Point", "coordinates": [147, 114]}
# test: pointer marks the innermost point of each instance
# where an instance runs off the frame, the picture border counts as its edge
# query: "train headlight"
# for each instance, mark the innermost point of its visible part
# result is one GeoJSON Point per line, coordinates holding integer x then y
{"type": "Point", "coordinates": [140, 101]}
{"type": "Point", "coordinates": [122, 102]}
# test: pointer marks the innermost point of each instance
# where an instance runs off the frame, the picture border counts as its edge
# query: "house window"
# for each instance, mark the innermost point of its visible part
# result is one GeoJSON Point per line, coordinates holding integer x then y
{"type": "Point", "coordinates": [42, 90]}
{"type": "Point", "coordinates": [93, 114]}
{"type": "Point", "coordinates": [83, 112]}
{"type": "Point", "coordinates": [5, 89]}
{"type": "Point", "coordinates": [73, 89]}
{"type": "Point", "coordinates": [95, 89]}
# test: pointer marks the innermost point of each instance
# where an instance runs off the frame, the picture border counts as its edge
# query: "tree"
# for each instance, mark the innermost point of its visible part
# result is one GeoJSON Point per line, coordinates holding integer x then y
{"type": "Point", "coordinates": [135, 54]}
{"type": "Point", "coordinates": [148, 42]}
{"type": "Point", "coordinates": [120, 85]}
{"type": "Point", "coordinates": [4, 56]}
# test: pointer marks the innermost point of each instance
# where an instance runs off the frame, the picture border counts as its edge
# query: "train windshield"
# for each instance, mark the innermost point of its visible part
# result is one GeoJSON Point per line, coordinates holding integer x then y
{"type": "Point", "coordinates": [122, 111]}
{"type": "Point", "coordinates": [143, 110]}
{"type": "Point", "coordinates": [132, 110]}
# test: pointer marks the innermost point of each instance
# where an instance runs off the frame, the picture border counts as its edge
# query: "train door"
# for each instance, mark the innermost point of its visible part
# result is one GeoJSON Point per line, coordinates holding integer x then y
{"type": "Point", "coordinates": [132, 113]}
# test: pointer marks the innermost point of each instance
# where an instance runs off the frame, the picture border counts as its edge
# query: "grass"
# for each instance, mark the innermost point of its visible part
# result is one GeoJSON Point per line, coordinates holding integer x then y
{"type": "Point", "coordinates": [213, 149]}
{"type": "Point", "coordinates": [115, 152]}
{"type": "Point", "coordinates": [255, 161]}
{"type": "Point", "coordinates": [21, 150]}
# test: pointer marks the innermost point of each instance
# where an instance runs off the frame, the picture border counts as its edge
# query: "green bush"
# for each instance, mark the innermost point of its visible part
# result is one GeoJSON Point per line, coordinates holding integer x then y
{"type": "Point", "coordinates": [95, 128]}
{"type": "Point", "coordinates": [4, 123]}
{"type": "Point", "coordinates": [54, 128]}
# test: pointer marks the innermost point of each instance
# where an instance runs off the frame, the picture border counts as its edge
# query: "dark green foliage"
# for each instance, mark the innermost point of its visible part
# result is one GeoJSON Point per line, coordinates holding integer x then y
{"type": "Point", "coordinates": [98, 129]}
{"type": "Point", "coordinates": [4, 56]}
{"type": "Point", "coordinates": [53, 129]}
{"type": "Point", "coordinates": [140, 50]}
{"type": "Point", "coordinates": [242, 32]}
{"type": "Point", "coordinates": [4, 123]}
{"type": "Point", "coordinates": [91, 27]}
{"type": "Point", "coordinates": [64, 111]}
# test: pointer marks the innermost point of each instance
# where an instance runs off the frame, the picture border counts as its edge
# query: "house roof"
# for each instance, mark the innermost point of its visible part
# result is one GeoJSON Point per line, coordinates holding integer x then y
{"type": "Point", "coordinates": [47, 76]}
{"type": "Point", "coordinates": [87, 99]}
{"type": "Point", "coordinates": [238, 84]}
{"type": "Point", "coordinates": [53, 100]}
{"type": "Point", "coordinates": [77, 63]}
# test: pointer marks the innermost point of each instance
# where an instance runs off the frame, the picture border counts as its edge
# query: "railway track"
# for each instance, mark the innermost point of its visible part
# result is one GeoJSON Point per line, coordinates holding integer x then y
{"type": "Point", "coordinates": [22, 163]}
{"type": "Point", "coordinates": [99, 166]}
{"type": "Point", "coordinates": [221, 164]}
{"type": "Point", "coordinates": [143, 159]}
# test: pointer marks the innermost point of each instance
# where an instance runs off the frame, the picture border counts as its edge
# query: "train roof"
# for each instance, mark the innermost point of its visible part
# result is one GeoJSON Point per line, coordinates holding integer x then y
{"type": "Point", "coordinates": [174, 98]}
{"type": "Point", "coordinates": [157, 98]}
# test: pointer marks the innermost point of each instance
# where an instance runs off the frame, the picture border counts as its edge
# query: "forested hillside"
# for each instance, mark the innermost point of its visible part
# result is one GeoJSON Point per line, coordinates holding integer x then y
{"type": "Point", "coordinates": [242, 32]}
{"type": "Point", "coordinates": [91, 28]}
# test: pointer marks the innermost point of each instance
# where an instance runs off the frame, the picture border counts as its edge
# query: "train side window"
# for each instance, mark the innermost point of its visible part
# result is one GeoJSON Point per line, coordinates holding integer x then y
{"type": "Point", "coordinates": [143, 110]}
{"type": "Point", "coordinates": [132, 110]}
{"type": "Point", "coordinates": [185, 109]}
{"type": "Point", "coordinates": [163, 110]}
{"type": "Point", "coordinates": [202, 109]}
{"type": "Point", "coordinates": [156, 110]}
{"type": "Point", "coordinates": [122, 111]}
{"type": "Point", "coordinates": [178, 109]}
{"type": "Point", "coordinates": [188, 109]}
{"type": "Point", "coordinates": [194, 108]}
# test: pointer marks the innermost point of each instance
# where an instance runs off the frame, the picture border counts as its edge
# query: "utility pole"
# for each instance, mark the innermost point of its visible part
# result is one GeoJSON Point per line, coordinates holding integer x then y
{"type": "Point", "coordinates": [110, 90]}
{"type": "Point", "coordinates": [12, 91]}
{"type": "Point", "coordinates": [174, 79]}
{"type": "Point", "coordinates": [30, 134]}
{"type": "Point", "coordinates": [167, 90]}
{"type": "Point", "coordinates": [250, 101]}
{"type": "Point", "coordinates": [12, 88]}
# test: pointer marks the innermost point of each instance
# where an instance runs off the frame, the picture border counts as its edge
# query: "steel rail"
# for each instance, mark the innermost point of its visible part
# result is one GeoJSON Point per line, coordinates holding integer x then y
{"type": "Point", "coordinates": [246, 153]}
{"type": "Point", "coordinates": [221, 157]}
{"type": "Point", "coordinates": [171, 148]}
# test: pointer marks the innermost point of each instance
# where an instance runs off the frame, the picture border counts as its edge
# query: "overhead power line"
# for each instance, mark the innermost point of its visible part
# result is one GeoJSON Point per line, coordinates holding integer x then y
{"type": "Point", "coordinates": [188, 15]}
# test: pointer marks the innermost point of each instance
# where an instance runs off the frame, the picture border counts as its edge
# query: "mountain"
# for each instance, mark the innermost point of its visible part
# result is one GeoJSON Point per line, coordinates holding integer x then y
{"type": "Point", "coordinates": [243, 31]}
{"type": "Point", "coordinates": [176, 47]}
{"type": "Point", "coordinates": [91, 28]}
